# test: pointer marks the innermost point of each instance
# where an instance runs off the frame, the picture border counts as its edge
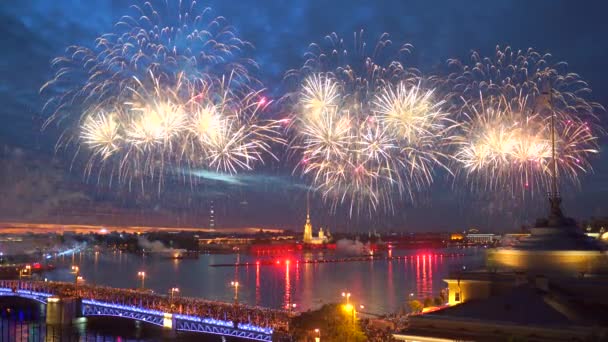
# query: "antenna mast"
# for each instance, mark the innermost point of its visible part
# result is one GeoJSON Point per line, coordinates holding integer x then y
{"type": "Point", "coordinates": [554, 190]}
{"type": "Point", "coordinates": [555, 216]}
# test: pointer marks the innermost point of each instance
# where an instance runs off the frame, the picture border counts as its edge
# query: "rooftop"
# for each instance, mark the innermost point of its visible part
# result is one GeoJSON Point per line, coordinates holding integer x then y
{"type": "Point", "coordinates": [525, 305]}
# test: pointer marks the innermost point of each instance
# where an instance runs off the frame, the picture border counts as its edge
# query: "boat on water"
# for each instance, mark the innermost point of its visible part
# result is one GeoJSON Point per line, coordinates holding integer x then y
{"type": "Point", "coordinates": [179, 255]}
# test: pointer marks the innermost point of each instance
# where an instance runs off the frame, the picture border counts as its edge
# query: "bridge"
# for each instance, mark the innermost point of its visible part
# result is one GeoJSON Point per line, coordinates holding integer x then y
{"type": "Point", "coordinates": [66, 301]}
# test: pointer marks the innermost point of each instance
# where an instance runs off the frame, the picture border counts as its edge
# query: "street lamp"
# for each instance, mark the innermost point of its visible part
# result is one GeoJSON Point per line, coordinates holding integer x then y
{"type": "Point", "coordinates": [291, 307]}
{"type": "Point", "coordinates": [76, 272]}
{"type": "Point", "coordinates": [174, 290]}
{"type": "Point", "coordinates": [235, 284]}
{"type": "Point", "coordinates": [142, 275]}
{"type": "Point", "coordinates": [317, 335]}
{"type": "Point", "coordinates": [347, 296]}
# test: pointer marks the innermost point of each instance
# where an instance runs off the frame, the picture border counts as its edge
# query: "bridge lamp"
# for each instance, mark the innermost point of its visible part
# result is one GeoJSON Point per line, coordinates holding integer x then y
{"type": "Point", "coordinates": [76, 271]}
{"type": "Point", "coordinates": [174, 290]}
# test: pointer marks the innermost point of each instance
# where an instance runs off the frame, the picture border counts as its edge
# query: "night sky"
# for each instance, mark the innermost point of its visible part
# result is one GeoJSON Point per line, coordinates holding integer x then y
{"type": "Point", "coordinates": [41, 184]}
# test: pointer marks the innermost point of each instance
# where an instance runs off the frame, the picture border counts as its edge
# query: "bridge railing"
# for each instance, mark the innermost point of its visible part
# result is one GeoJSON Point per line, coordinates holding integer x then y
{"type": "Point", "coordinates": [37, 296]}
{"type": "Point", "coordinates": [250, 318]}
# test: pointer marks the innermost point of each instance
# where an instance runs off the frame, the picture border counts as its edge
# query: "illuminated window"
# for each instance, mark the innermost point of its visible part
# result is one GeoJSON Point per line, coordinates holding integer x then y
{"type": "Point", "coordinates": [457, 297]}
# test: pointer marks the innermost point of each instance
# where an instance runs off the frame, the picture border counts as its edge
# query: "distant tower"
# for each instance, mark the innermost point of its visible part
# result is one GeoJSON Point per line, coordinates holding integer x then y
{"type": "Point", "coordinates": [211, 216]}
{"type": "Point", "coordinates": [308, 225]}
{"type": "Point", "coordinates": [321, 234]}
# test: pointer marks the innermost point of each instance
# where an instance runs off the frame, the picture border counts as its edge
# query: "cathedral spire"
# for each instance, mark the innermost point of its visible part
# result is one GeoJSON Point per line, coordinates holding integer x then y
{"type": "Point", "coordinates": [308, 226]}
{"type": "Point", "coordinates": [307, 208]}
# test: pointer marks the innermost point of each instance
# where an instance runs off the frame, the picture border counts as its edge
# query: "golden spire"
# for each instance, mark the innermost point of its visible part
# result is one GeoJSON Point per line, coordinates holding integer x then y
{"type": "Point", "coordinates": [307, 208]}
{"type": "Point", "coordinates": [308, 226]}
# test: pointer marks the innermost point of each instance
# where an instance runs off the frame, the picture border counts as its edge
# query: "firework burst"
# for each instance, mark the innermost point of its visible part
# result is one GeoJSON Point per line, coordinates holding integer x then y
{"type": "Point", "coordinates": [170, 87]}
{"type": "Point", "coordinates": [364, 127]}
{"type": "Point", "coordinates": [171, 40]}
{"type": "Point", "coordinates": [507, 102]}
{"type": "Point", "coordinates": [101, 133]}
{"type": "Point", "coordinates": [509, 148]}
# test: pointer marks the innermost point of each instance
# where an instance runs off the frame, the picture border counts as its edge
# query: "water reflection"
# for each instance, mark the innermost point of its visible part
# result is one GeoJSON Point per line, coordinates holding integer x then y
{"type": "Point", "coordinates": [287, 289]}
{"type": "Point", "coordinates": [258, 292]}
{"type": "Point", "coordinates": [381, 285]}
{"type": "Point", "coordinates": [16, 329]}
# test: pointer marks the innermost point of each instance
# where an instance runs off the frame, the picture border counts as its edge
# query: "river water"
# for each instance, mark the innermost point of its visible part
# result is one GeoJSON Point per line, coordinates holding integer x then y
{"type": "Point", "coordinates": [382, 286]}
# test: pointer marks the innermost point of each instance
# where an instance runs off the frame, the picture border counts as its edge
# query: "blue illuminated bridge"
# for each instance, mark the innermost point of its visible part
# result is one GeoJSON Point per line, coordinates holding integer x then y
{"type": "Point", "coordinates": [65, 301]}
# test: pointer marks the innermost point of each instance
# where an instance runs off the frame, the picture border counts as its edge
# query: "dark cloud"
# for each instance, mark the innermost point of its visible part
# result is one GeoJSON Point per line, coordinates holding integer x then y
{"type": "Point", "coordinates": [33, 188]}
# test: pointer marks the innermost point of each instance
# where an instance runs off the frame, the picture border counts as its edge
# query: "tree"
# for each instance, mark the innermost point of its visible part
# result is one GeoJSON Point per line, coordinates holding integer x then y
{"type": "Point", "coordinates": [428, 301]}
{"type": "Point", "coordinates": [438, 301]}
{"type": "Point", "coordinates": [415, 306]}
{"type": "Point", "coordinates": [332, 320]}
{"type": "Point", "coordinates": [443, 294]}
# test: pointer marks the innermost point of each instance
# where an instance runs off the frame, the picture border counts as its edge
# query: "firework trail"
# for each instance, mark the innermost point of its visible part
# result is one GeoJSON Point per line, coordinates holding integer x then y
{"type": "Point", "coordinates": [364, 127]}
{"type": "Point", "coordinates": [170, 87]}
{"type": "Point", "coordinates": [516, 74]}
